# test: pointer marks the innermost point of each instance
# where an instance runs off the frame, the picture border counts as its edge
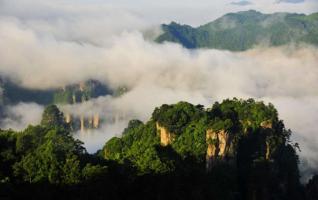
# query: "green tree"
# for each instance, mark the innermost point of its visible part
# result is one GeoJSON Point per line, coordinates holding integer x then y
{"type": "Point", "coordinates": [54, 161]}
{"type": "Point", "coordinates": [53, 117]}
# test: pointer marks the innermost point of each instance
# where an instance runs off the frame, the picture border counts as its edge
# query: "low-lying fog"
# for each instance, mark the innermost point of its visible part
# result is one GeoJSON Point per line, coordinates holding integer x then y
{"type": "Point", "coordinates": [66, 45]}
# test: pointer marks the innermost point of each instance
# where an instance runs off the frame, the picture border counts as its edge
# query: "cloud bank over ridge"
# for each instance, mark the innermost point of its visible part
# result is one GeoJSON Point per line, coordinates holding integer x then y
{"type": "Point", "coordinates": [46, 45]}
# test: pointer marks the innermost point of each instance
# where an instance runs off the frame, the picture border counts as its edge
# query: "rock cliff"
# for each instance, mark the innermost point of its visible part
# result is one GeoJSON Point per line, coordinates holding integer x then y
{"type": "Point", "coordinates": [166, 137]}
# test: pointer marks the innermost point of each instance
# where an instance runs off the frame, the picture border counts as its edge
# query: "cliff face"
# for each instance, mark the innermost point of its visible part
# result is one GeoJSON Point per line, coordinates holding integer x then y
{"type": "Point", "coordinates": [240, 143]}
{"type": "Point", "coordinates": [68, 118]}
{"type": "Point", "coordinates": [80, 92]}
{"type": "Point", "coordinates": [93, 121]}
{"type": "Point", "coordinates": [82, 123]}
{"type": "Point", "coordinates": [218, 142]}
{"type": "Point", "coordinates": [96, 121]}
{"type": "Point", "coordinates": [226, 136]}
{"type": "Point", "coordinates": [218, 145]}
{"type": "Point", "coordinates": [166, 137]}
{"type": "Point", "coordinates": [267, 124]}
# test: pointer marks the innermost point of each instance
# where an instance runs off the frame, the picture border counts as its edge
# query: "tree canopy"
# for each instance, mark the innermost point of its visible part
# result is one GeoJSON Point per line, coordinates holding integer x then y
{"type": "Point", "coordinates": [259, 160]}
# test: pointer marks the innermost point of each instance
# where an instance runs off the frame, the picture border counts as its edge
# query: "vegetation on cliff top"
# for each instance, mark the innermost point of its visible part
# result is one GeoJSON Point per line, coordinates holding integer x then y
{"type": "Point", "coordinates": [260, 161]}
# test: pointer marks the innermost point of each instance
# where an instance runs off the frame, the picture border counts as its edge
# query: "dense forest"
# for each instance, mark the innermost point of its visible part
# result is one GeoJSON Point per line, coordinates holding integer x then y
{"type": "Point", "coordinates": [236, 149]}
{"type": "Point", "coordinates": [244, 30]}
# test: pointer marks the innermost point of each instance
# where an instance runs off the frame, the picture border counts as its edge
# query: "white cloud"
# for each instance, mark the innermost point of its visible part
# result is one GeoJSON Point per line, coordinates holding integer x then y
{"type": "Point", "coordinates": [300, 115]}
{"type": "Point", "coordinates": [48, 44]}
{"type": "Point", "coordinates": [155, 12]}
{"type": "Point", "coordinates": [290, 1]}
{"type": "Point", "coordinates": [20, 116]}
{"type": "Point", "coordinates": [241, 3]}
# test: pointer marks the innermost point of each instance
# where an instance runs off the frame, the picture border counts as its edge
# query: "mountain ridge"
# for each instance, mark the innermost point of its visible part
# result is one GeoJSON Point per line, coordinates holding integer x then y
{"type": "Point", "coordinates": [243, 30]}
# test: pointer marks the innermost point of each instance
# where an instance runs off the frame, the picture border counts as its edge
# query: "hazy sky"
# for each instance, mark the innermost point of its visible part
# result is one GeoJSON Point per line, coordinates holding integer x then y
{"type": "Point", "coordinates": [200, 11]}
{"type": "Point", "coordinates": [193, 12]}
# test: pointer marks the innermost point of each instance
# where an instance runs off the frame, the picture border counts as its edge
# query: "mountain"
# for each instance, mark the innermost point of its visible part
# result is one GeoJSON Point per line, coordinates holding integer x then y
{"type": "Point", "coordinates": [12, 93]}
{"type": "Point", "coordinates": [236, 149]}
{"type": "Point", "coordinates": [77, 93]}
{"type": "Point", "coordinates": [243, 30]}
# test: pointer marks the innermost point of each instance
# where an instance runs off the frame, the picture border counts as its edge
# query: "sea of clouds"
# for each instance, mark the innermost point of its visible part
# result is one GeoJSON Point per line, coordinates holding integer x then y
{"type": "Point", "coordinates": [49, 44]}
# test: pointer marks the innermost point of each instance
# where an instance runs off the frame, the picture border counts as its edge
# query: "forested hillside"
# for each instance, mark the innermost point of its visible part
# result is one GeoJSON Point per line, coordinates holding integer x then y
{"type": "Point", "coordinates": [244, 30]}
{"type": "Point", "coordinates": [236, 149]}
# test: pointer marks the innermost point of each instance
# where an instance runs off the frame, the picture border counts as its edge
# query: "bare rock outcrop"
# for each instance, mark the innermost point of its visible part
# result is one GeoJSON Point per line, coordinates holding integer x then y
{"type": "Point", "coordinates": [68, 118]}
{"type": "Point", "coordinates": [267, 124]}
{"type": "Point", "coordinates": [218, 145]}
{"type": "Point", "coordinates": [82, 123]}
{"type": "Point", "coordinates": [82, 120]}
{"type": "Point", "coordinates": [96, 121]}
{"type": "Point", "coordinates": [166, 137]}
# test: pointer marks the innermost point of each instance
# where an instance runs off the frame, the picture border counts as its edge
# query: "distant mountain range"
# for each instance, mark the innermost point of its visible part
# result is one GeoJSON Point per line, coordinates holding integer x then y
{"type": "Point", "coordinates": [12, 93]}
{"type": "Point", "coordinates": [243, 30]}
